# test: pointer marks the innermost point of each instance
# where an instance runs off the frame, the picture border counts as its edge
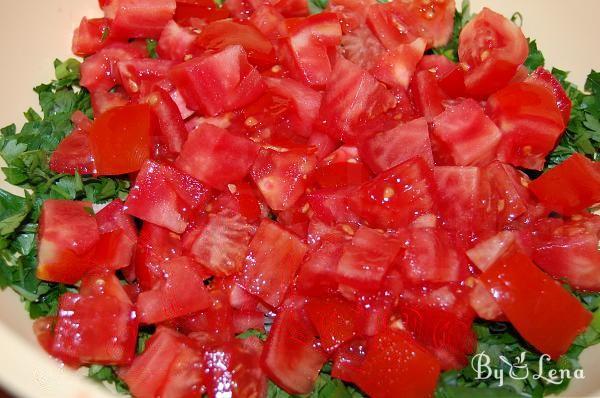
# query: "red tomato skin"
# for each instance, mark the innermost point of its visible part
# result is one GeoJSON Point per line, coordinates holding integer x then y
{"type": "Point", "coordinates": [546, 79]}
{"type": "Point", "coordinates": [333, 318]}
{"type": "Point", "coordinates": [141, 18]}
{"type": "Point", "coordinates": [525, 294]}
{"type": "Point", "coordinates": [176, 42]}
{"type": "Point", "coordinates": [463, 135]}
{"type": "Point", "coordinates": [216, 157]}
{"type": "Point", "coordinates": [91, 36]}
{"type": "Point", "coordinates": [395, 365]}
{"type": "Point", "coordinates": [205, 87]}
{"type": "Point", "coordinates": [317, 275]}
{"type": "Point", "coordinates": [493, 62]}
{"type": "Point", "coordinates": [397, 196]}
{"type": "Point", "coordinates": [530, 121]}
{"type": "Point", "coordinates": [181, 292]}
{"type": "Point", "coordinates": [100, 330]}
{"type": "Point", "coordinates": [366, 259]}
{"type": "Point", "coordinates": [120, 139]}
{"type": "Point", "coordinates": [390, 148]}
{"type": "Point", "coordinates": [67, 233]}
{"type": "Point", "coordinates": [103, 283]}
{"type": "Point", "coordinates": [570, 187]}
{"type": "Point", "coordinates": [273, 258]}
{"type": "Point", "coordinates": [291, 356]}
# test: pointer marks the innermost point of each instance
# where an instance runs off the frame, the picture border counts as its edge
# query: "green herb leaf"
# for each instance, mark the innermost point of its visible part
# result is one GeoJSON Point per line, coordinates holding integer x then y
{"type": "Point", "coordinates": [535, 58]}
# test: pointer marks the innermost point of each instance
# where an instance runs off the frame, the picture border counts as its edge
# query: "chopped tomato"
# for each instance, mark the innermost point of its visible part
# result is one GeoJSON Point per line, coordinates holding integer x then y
{"type": "Point", "coordinates": [216, 157]}
{"type": "Point", "coordinates": [291, 356]}
{"type": "Point", "coordinates": [308, 46]}
{"type": "Point", "coordinates": [120, 139]}
{"type": "Point", "coordinates": [546, 79]}
{"type": "Point", "coordinates": [204, 10]}
{"type": "Point", "coordinates": [530, 121]}
{"type": "Point", "coordinates": [221, 243]}
{"type": "Point", "coordinates": [103, 283]}
{"type": "Point", "coordinates": [100, 71]}
{"type": "Point", "coordinates": [397, 66]}
{"type": "Point", "coordinates": [352, 96]}
{"type": "Point", "coordinates": [390, 148]}
{"type": "Point", "coordinates": [153, 199]}
{"type": "Point", "coordinates": [205, 85]}
{"type": "Point", "coordinates": [269, 22]}
{"type": "Point", "coordinates": [220, 34]}
{"type": "Point", "coordinates": [273, 259]}
{"type": "Point", "coordinates": [148, 372]}
{"type": "Point", "coordinates": [463, 135]}
{"type": "Point", "coordinates": [91, 36]}
{"type": "Point", "coordinates": [176, 42]}
{"type": "Point", "coordinates": [493, 48]}
{"type": "Point", "coordinates": [140, 76]}
{"type": "Point", "coordinates": [141, 18]}
{"type": "Point", "coordinates": [95, 330]}
{"type": "Point", "coordinates": [366, 259]}
{"type": "Point", "coordinates": [333, 318]}
{"type": "Point", "coordinates": [484, 254]}
{"type": "Point", "coordinates": [73, 154]}
{"type": "Point", "coordinates": [427, 95]}
{"type": "Point", "coordinates": [396, 365]}
{"type": "Point", "coordinates": [281, 176]}
{"type": "Point", "coordinates": [317, 275]}
{"type": "Point", "coordinates": [542, 311]}
{"type": "Point", "coordinates": [568, 250]}
{"type": "Point", "coordinates": [570, 187]}
{"type": "Point", "coordinates": [397, 196]}
{"type": "Point", "coordinates": [429, 256]}
{"type": "Point", "coordinates": [67, 232]}
{"type": "Point", "coordinates": [181, 291]}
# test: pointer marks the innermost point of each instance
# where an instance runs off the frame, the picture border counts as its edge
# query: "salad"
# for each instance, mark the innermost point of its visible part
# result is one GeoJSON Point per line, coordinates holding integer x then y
{"type": "Point", "coordinates": [287, 198]}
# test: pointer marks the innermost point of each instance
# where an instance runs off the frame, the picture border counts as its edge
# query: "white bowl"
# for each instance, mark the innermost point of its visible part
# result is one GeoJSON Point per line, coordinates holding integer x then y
{"type": "Point", "coordinates": [35, 32]}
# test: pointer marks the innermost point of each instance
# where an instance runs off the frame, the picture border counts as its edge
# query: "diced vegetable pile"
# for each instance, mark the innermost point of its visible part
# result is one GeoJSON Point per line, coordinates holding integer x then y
{"type": "Point", "coordinates": [333, 203]}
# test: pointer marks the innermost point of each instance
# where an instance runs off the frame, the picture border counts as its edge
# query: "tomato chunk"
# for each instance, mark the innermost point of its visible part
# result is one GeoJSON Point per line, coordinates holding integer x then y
{"type": "Point", "coordinates": [74, 154]}
{"type": "Point", "coordinates": [352, 96]}
{"type": "Point", "coordinates": [216, 157]}
{"type": "Point", "coordinates": [397, 196]}
{"type": "Point", "coordinates": [98, 330]}
{"type": "Point", "coordinates": [569, 250]}
{"type": "Point", "coordinates": [181, 292]}
{"type": "Point", "coordinates": [396, 365]}
{"type": "Point", "coordinates": [91, 36]}
{"type": "Point", "coordinates": [205, 85]}
{"type": "Point", "coordinates": [493, 48]}
{"type": "Point", "coordinates": [570, 187]}
{"type": "Point", "coordinates": [366, 259]}
{"type": "Point", "coordinates": [546, 79]}
{"type": "Point", "coordinates": [220, 244]}
{"type": "Point", "coordinates": [281, 176]}
{"type": "Point", "coordinates": [390, 148]}
{"type": "Point", "coordinates": [68, 231]}
{"type": "Point", "coordinates": [397, 66]}
{"type": "Point", "coordinates": [120, 139]}
{"type": "Point", "coordinates": [273, 259]}
{"type": "Point", "coordinates": [530, 121]}
{"type": "Point", "coordinates": [141, 18]}
{"type": "Point", "coordinates": [291, 356]}
{"type": "Point", "coordinates": [333, 318]}
{"type": "Point", "coordinates": [526, 294]}
{"type": "Point", "coordinates": [464, 136]}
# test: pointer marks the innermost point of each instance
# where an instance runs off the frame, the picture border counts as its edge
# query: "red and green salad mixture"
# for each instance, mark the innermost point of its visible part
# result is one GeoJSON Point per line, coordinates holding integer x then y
{"type": "Point", "coordinates": [280, 198]}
